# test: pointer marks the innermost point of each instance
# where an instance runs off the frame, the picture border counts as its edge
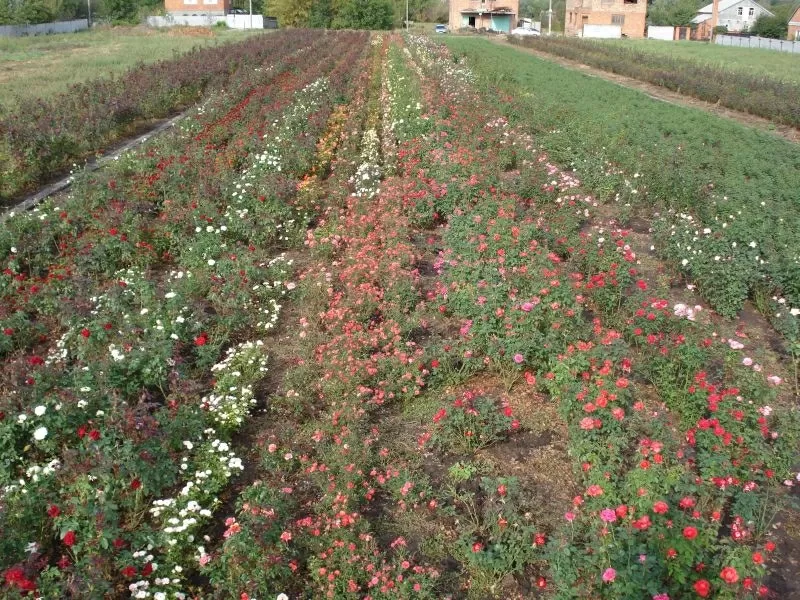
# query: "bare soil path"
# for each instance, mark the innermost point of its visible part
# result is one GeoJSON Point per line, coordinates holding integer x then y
{"type": "Point", "coordinates": [664, 95]}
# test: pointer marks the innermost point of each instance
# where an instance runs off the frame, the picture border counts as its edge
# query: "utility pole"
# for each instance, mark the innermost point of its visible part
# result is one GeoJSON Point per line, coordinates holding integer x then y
{"type": "Point", "coordinates": [89, 18]}
{"type": "Point", "coordinates": [406, 16]}
{"type": "Point", "coordinates": [550, 19]}
{"type": "Point", "coordinates": [251, 14]}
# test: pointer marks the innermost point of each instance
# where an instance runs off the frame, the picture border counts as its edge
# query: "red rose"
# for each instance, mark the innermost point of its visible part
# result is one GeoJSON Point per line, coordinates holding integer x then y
{"type": "Point", "coordinates": [94, 435]}
{"type": "Point", "coordinates": [702, 587]}
{"type": "Point", "coordinates": [136, 484]}
{"type": "Point", "coordinates": [729, 575]}
{"type": "Point", "coordinates": [541, 583]}
{"type": "Point", "coordinates": [769, 546]}
{"type": "Point", "coordinates": [201, 339]}
{"type": "Point", "coordinates": [660, 507]}
{"type": "Point", "coordinates": [758, 558]}
{"type": "Point", "coordinates": [85, 332]}
{"type": "Point", "coordinates": [129, 571]}
{"type": "Point", "coordinates": [69, 538]}
{"type": "Point", "coordinates": [53, 511]}
{"type": "Point", "coordinates": [147, 570]}
{"type": "Point", "coordinates": [690, 532]}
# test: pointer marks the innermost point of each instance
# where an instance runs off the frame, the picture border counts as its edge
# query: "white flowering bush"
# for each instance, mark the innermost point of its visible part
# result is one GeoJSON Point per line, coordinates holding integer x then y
{"type": "Point", "coordinates": [207, 464]}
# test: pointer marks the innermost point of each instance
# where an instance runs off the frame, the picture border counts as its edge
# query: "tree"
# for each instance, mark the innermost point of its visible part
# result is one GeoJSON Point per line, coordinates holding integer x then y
{"type": "Point", "coordinates": [6, 13]}
{"type": "Point", "coordinates": [34, 11]}
{"type": "Point", "coordinates": [290, 13]}
{"type": "Point", "coordinates": [121, 11]}
{"type": "Point", "coordinates": [320, 14]}
{"type": "Point", "coordinates": [365, 14]}
{"type": "Point", "coordinates": [677, 13]}
{"type": "Point", "coordinates": [770, 27]}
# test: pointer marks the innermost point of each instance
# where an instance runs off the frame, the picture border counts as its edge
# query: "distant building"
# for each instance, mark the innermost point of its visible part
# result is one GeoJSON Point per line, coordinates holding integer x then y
{"type": "Point", "coordinates": [737, 15]}
{"type": "Point", "coordinates": [197, 7]}
{"type": "Point", "coordinates": [498, 15]}
{"type": "Point", "coordinates": [794, 25]}
{"type": "Point", "coordinates": [629, 15]}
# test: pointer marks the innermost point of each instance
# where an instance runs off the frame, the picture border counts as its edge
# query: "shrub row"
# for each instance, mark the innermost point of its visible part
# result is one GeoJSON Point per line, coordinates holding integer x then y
{"type": "Point", "coordinates": [49, 134]}
{"type": "Point", "coordinates": [762, 96]}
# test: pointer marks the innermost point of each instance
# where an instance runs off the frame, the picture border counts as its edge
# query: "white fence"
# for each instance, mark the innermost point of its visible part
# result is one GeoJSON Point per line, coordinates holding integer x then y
{"type": "Point", "coordinates": [44, 28]}
{"type": "Point", "coordinates": [208, 20]}
{"type": "Point", "coordinates": [661, 32]}
{"type": "Point", "coordinates": [602, 31]}
{"type": "Point", "coordinates": [758, 42]}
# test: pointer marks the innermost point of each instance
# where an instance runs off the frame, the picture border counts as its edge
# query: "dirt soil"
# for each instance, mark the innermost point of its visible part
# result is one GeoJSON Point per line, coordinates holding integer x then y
{"type": "Point", "coordinates": [664, 95]}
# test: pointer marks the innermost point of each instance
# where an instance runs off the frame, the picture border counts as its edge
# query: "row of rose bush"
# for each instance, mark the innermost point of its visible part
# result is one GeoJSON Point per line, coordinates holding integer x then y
{"type": "Point", "coordinates": [118, 302]}
{"type": "Point", "coordinates": [723, 215]}
{"type": "Point", "coordinates": [50, 134]}
{"type": "Point", "coordinates": [686, 518]}
{"type": "Point", "coordinates": [313, 512]}
{"type": "Point", "coordinates": [765, 96]}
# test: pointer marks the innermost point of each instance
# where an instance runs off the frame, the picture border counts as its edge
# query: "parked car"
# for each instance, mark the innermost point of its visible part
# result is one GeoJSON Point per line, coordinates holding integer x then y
{"type": "Point", "coordinates": [238, 11]}
{"type": "Point", "coordinates": [440, 28]}
{"type": "Point", "coordinates": [523, 32]}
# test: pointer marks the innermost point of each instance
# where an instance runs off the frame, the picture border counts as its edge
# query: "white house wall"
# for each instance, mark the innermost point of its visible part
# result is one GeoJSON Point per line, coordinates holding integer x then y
{"type": "Point", "coordinates": [731, 19]}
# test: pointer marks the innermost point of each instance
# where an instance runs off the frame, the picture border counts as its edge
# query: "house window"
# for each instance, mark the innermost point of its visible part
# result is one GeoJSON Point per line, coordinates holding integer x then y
{"type": "Point", "coordinates": [190, 1]}
{"type": "Point", "coordinates": [618, 19]}
{"type": "Point", "coordinates": [740, 11]}
{"type": "Point", "coordinates": [752, 11]}
{"type": "Point", "coordinates": [631, 1]}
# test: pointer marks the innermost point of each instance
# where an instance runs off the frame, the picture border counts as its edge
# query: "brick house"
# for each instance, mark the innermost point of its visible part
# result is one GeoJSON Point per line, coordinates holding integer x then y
{"type": "Point", "coordinates": [794, 25]}
{"type": "Point", "coordinates": [197, 7]}
{"type": "Point", "coordinates": [499, 15]}
{"type": "Point", "coordinates": [630, 15]}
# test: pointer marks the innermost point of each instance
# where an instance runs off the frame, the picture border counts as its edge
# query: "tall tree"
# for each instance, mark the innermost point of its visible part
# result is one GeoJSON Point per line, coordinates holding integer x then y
{"type": "Point", "coordinates": [34, 11]}
{"type": "Point", "coordinates": [365, 14]}
{"type": "Point", "coordinates": [6, 13]}
{"type": "Point", "coordinates": [121, 11]}
{"type": "Point", "coordinates": [290, 13]}
{"type": "Point", "coordinates": [678, 13]}
{"type": "Point", "coordinates": [321, 13]}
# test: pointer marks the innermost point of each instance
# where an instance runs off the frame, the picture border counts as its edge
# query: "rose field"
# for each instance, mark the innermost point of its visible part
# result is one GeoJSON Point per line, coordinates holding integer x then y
{"type": "Point", "coordinates": [375, 321]}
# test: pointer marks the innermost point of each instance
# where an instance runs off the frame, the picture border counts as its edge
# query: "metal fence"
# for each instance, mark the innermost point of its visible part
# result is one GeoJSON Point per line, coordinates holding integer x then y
{"type": "Point", "coordinates": [44, 28]}
{"type": "Point", "coordinates": [758, 42]}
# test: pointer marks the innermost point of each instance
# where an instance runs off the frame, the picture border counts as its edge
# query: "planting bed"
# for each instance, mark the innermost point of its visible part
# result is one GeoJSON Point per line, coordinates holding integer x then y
{"type": "Point", "coordinates": [51, 132]}
{"type": "Point", "coordinates": [353, 332]}
{"type": "Point", "coordinates": [771, 97]}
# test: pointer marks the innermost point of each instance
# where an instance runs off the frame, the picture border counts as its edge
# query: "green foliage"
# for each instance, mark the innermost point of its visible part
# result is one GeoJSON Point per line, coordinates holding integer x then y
{"type": "Point", "coordinates": [34, 11]}
{"type": "Point", "coordinates": [290, 13]}
{"type": "Point", "coordinates": [121, 11]}
{"type": "Point", "coordinates": [672, 12]}
{"type": "Point", "coordinates": [365, 14]}
{"type": "Point", "coordinates": [770, 27]}
{"type": "Point", "coordinates": [321, 13]}
{"type": "Point", "coordinates": [677, 153]}
{"type": "Point", "coordinates": [6, 13]}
